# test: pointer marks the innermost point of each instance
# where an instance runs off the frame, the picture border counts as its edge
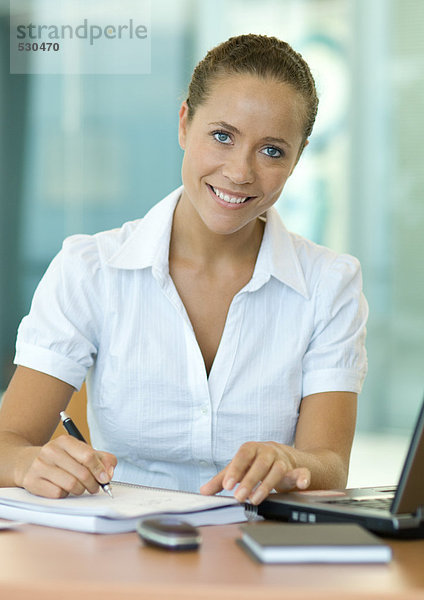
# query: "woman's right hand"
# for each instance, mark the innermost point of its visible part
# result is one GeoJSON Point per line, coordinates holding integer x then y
{"type": "Point", "coordinates": [64, 466]}
{"type": "Point", "coordinates": [28, 417]}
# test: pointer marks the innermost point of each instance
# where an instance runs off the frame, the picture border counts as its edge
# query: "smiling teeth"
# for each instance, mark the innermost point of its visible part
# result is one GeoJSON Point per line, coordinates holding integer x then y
{"type": "Point", "coordinates": [228, 198]}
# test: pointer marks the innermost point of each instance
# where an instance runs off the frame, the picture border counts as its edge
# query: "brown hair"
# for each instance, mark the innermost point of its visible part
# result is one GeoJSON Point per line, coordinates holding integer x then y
{"type": "Point", "coordinates": [257, 55]}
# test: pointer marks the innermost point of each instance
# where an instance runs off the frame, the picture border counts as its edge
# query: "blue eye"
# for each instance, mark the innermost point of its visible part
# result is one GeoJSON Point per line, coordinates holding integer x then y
{"type": "Point", "coordinates": [273, 152]}
{"type": "Point", "coordinates": [221, 137]}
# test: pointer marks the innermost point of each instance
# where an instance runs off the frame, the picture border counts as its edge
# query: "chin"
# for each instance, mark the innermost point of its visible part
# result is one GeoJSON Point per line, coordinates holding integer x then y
{"type": "Point", "coordinates": [218, 227]}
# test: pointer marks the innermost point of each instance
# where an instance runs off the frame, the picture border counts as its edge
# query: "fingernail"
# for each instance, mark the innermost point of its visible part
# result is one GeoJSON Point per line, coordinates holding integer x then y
{"type": "Point", "coordinates": [241, 494]}
{"type": "Point", "coordinates": [229, 484]}
{"type": "Point", "coordinates": [303, 483]}
{"type": "Point", "coordinates": [103, 477]}
{"type": "Point", "coordinates": [257, 497]}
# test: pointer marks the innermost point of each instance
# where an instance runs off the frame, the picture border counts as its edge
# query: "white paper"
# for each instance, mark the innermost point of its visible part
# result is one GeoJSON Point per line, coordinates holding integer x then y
{"type": "Point", "coordinates": [127, 502]}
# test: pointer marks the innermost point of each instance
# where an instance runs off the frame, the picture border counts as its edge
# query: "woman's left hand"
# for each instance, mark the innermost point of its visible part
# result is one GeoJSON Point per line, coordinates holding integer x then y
{"type": "Point", "coordinates": [258, 468]}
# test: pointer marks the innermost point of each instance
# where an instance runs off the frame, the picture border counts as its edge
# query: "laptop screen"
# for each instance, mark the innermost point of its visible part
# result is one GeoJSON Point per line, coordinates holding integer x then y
{"type": "Point", "coordinates": [410, 491]}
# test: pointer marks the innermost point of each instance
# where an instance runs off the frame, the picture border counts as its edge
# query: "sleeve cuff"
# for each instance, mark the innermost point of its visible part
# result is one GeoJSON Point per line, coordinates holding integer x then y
{"type": "Point", "coordinates": [332, 380]}
{"type": "Point", "coordinates": [51, 363]}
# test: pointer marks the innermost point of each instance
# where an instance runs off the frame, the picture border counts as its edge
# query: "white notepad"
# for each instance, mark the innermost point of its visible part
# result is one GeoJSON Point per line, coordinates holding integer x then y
{"type": "Point", "coordinates": [99, 513]}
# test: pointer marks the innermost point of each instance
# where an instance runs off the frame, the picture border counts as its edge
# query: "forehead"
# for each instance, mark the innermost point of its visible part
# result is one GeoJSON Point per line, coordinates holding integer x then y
{"type": "Point", "coordinates": [254, 104]}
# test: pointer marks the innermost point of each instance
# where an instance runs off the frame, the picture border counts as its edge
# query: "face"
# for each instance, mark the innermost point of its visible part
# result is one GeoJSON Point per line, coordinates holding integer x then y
{"type": "Point", "coordinates": [240, 147]}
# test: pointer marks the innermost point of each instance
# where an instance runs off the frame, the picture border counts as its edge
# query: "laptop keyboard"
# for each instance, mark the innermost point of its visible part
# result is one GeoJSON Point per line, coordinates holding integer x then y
{"type": "Point", "coordinates": [376, 503]}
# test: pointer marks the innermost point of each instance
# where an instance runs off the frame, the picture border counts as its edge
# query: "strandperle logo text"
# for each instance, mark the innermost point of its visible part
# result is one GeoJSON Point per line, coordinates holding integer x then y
{"type": "Point", "coordinates": [84, 31]}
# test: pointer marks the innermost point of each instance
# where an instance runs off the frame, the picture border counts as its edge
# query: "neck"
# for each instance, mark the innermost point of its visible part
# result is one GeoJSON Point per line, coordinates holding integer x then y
{"type": "Point", "coordinates": [193, 242]}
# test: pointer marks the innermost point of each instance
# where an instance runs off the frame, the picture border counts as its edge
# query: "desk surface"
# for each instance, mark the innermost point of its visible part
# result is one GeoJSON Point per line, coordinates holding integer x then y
{"type": "Point", "coordinates": [42, 563]}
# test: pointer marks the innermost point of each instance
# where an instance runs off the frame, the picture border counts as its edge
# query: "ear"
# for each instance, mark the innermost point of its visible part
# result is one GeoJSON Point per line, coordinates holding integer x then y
{"type": "Point", "coordinates": [182, 126]}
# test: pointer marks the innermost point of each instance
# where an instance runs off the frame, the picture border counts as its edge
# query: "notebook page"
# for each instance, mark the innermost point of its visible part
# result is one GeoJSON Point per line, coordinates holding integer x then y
{"type": "Point", "coordinates": [128, 501]}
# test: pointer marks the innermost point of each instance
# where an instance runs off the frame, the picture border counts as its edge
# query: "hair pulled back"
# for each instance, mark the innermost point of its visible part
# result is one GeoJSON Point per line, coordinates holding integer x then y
{"type": "Point", "coordinates": [258, 55]}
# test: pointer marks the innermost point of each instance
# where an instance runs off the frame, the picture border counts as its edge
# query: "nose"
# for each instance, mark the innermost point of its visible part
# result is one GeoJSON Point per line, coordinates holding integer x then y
{"type": "Point", "coordinates": [239, 168]}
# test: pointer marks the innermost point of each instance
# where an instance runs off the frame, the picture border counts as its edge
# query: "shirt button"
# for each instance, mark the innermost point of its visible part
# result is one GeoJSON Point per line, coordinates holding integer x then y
{"type": "Point", "coordinates": [204, 410]}
{"type": "Point", "coordinates": [203, 463]}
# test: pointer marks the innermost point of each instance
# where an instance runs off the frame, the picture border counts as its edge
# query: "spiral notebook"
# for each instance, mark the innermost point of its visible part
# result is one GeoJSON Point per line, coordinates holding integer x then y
{"type": "Point", "coordinates": [98, 513]}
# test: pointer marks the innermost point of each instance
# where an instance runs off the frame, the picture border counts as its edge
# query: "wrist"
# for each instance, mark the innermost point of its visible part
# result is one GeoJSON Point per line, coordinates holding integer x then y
{"type": "Point", "coordinates": [24, 458]}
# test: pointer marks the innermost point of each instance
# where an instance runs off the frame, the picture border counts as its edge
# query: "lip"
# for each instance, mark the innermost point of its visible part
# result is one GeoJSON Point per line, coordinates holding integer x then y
{"type": "Point", "coordinates": [229, 205]}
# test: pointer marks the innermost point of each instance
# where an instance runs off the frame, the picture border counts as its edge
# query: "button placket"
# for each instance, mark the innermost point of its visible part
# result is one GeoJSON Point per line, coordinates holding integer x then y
{"type": "Point", "coordinates": [227, 350]}
{"type": "Point", "coordinates": [201, 431]}
{"type": "Point", "coordinates": [201, 436]}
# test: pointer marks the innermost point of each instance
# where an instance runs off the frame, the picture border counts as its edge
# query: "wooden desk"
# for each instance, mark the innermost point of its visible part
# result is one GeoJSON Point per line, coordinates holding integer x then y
{"type": "Point", "coordinates": [40, 563]}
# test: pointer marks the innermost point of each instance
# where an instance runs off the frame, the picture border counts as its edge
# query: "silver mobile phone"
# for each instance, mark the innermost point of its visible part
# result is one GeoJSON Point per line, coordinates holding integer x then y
{"type": "Point", "coordinates": [171, 533]}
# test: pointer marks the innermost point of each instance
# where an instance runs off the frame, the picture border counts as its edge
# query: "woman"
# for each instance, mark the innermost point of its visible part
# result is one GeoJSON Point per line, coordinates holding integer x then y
{"type": "Point", "coordinates": [221, 351]}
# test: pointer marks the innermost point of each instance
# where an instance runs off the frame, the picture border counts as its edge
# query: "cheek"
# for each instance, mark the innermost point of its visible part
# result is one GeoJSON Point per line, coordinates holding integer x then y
{"type": "Point", "coordinates": [198, 162]}
{"type": "Point", "coordinates": [274, 179]}
{"type": "Point", "coordinates": [272, 185]}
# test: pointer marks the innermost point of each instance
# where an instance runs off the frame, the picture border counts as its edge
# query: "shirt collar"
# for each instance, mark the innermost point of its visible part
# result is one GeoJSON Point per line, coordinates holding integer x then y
{"type": "Point", "coordinates": [148, 246]}
{"type": "Point", "coordinates": [278, 257]}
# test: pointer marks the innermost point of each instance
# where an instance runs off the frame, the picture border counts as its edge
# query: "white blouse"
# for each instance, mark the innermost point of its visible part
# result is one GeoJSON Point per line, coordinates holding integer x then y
{"type": "Point", "coordinates": [107, 310]}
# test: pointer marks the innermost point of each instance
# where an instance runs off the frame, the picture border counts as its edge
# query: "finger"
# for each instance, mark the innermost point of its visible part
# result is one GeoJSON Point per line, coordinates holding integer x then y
{"type": "Point", "coordinates": [240, 465]}
{"type": "Point", "coordinates": [62, 469]}
{"type": "Point", "coordinates": [36, 484]}
{"type": "Point", "coordinates": [50, 480]}
{"type": "Point", "coordinates": [275, 476]}
{"type": "Point", "coordinates": [109, 461]}
{"type": "Point", "coordinates": [45, 488]}
{"type": "Point", "coordinates": [77, 459]}
{"type": "Point", "coordinates": [214, 485]}
{"type": "Point", "coordinates": [70, 456]}
{"type": "Point", "coordinates": [86, 456]}
{"type": "Point", "coordinates": [299, 478]}
{"type": "Point", "coordinates": [258, 472]}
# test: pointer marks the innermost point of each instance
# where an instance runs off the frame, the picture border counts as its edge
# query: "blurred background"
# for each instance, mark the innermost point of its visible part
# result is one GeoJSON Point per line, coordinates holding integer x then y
{"type": "Point", "coordinates": [83, 153]}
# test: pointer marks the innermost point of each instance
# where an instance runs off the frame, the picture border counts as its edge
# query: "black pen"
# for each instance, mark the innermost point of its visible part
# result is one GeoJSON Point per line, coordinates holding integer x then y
{"type": "Point", "coordinates": [73, 430]}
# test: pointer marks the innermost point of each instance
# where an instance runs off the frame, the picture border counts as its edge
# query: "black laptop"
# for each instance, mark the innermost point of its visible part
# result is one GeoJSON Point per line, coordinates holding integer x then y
{"type": "Point", "coordinates": [394, 511]}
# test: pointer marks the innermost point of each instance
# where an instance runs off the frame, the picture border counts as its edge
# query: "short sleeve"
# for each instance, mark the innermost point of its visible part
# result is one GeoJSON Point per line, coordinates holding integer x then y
{"type": "Point", "coordinates": [60, 335]}
{"type": "Point", "coordinates": [336, 358]}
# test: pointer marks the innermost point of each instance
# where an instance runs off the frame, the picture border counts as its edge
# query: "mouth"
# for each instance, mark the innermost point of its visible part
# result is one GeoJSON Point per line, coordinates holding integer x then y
{"type": "Point", "coordinates": [227, 197]}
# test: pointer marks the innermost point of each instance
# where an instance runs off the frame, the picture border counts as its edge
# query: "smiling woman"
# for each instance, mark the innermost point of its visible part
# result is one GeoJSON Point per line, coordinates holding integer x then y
{"type": "Point", "coordinates": [238, 160]}
{"type": "Point", "coordinates": [220, 350]}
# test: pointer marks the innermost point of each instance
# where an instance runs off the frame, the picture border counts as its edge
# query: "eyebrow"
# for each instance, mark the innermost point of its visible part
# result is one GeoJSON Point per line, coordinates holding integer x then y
{"type": "Point", "coordinates": [272, 140]}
